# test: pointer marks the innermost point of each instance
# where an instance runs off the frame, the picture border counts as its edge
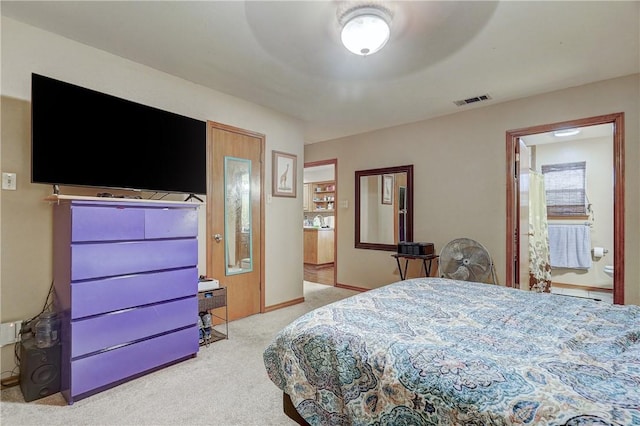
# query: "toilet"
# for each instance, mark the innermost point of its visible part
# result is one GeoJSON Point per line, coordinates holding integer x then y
{"type": "Point", "coordinates": [608, 269]}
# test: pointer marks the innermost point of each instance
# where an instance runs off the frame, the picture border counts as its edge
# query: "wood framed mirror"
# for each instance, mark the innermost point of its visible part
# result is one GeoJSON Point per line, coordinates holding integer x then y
{"type": "Point", "coordinates": [384, 207]}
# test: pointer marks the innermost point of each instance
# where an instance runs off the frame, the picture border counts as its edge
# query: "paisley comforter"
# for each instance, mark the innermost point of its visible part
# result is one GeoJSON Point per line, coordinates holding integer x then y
{"type": "Point", "coordinates": [432, 351]}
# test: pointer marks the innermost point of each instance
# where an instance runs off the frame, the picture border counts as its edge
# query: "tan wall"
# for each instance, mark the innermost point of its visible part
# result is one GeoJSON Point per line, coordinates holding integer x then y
{"type": "Point", "coordinates": [460, 174]}
{"type": "Point", "coordinates": [26, 222]}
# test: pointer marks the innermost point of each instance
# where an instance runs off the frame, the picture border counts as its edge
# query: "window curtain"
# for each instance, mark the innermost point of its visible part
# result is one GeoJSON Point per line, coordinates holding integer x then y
{"type": "Point", "coordinates": [539, 258]}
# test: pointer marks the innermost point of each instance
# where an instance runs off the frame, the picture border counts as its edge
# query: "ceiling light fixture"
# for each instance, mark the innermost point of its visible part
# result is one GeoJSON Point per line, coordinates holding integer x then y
{"type": "Point", "coordinates": [365, 29]}
{"type": "Point", "coordinates": [566, 132]}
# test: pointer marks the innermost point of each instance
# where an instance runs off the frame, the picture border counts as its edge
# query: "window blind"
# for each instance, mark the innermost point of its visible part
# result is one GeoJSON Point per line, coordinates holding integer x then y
{"type": "Point", "coordinates": [565, 188]}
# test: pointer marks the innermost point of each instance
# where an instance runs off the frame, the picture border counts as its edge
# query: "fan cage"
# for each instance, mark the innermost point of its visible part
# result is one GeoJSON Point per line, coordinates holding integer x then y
{"type": "Point", "coordinates": [466, 259]}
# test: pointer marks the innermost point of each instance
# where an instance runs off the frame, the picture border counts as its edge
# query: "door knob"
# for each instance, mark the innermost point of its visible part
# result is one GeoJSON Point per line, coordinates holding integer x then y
{"type": "Point", "coordinates": [217, 237]}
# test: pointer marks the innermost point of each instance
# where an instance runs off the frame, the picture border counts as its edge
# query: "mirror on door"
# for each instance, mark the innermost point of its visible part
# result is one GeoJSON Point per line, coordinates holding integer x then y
{"type": "Point", "coordinates": [237, 198]}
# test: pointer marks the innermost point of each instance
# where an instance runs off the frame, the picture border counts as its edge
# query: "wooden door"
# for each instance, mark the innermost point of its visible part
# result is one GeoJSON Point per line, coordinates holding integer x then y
{"type": "Point", "coordinates": [235, 254]}
{"type": "Point", "coordinates": [523, 165]}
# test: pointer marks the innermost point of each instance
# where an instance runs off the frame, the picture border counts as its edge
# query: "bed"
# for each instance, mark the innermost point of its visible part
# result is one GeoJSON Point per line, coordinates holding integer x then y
{"type": "Point", "coordinates": [430, 351]}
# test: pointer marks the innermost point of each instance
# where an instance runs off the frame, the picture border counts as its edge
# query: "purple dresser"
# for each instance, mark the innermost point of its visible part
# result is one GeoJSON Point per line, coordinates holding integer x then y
{"type": "Point", "coordinates": [126, 285]}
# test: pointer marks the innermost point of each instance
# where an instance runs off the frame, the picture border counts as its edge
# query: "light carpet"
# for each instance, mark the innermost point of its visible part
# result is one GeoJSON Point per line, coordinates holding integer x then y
{"type": "Point", "coordinates": [226, 384]}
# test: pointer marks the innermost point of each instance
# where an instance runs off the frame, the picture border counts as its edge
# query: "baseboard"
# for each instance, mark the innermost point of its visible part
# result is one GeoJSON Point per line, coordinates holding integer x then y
{"type": "Point", "coordinates": [301, 299]}
{"type": "Point", "coordinates": [10, 382]}
{"type": "Point", "coordinates": [283, 305]}
{"type": "Point", "coordinates": [350, 287]}
{"type": "Point", "coordinates": [581, 287]}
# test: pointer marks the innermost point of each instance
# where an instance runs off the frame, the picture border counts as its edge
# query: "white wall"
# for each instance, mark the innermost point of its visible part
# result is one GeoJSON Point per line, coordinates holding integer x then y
{"type": "Point", "coordinates": [26, 238]}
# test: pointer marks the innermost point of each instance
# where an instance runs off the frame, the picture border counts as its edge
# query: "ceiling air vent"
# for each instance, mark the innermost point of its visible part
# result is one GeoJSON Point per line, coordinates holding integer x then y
{"type": "Point", "coordinates": [472, 100]}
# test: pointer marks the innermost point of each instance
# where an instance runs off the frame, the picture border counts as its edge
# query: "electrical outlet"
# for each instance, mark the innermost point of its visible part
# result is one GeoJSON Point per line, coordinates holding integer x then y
{"type": "Point", "coordinates": [9, 181]}
{"type": "Point", "coordinates": [10, 332]}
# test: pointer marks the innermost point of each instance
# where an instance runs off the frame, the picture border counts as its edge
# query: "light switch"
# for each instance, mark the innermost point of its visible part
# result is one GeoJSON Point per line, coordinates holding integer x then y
{"type": "Point", "coordinates": [9, 181]}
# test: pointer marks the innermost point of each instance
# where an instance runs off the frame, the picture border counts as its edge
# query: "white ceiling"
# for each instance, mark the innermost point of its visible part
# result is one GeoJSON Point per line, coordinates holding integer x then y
{"type": "Point", "coordinates": [286, 55]}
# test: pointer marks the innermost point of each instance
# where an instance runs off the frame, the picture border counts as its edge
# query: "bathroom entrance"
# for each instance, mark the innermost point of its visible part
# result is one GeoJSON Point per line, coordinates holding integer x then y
{"type": "Point", "coordinates": [602, 220]}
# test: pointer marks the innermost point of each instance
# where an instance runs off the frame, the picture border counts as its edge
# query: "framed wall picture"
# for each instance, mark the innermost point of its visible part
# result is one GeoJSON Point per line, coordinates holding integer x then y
{"type": "Point", "coordinates": [284, 174]}
{"type": "Point", "coordinates": [387, 189]}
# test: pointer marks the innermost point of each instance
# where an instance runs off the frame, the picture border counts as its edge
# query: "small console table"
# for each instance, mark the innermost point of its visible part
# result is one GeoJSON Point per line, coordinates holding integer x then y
{"type": "Point", "coordinates": [407, 257]}
{"type": "Point", "coordinates": [209, 300]}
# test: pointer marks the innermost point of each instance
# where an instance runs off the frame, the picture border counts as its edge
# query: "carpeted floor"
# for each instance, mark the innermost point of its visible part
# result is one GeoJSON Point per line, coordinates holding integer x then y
{"type": "Point", "coordinates": [226, 384]}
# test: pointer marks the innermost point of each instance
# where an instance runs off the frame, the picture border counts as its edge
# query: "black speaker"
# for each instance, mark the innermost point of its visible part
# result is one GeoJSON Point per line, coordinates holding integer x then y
{"type": "Point", "coordinates": [39, 370]}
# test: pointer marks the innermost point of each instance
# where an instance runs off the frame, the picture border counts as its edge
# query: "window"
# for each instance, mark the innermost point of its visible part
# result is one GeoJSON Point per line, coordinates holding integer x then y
{"type": "Point", "coordinates": [565, 189]}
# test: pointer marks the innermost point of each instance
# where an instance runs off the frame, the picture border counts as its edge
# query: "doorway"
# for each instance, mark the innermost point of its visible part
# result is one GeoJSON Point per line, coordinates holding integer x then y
{"type": "Point", "coordinates": [518, 234]}
{"type": "Point", "coordinates": [320, 223]}
{"type": "Point", "coordinates": [235, 216]}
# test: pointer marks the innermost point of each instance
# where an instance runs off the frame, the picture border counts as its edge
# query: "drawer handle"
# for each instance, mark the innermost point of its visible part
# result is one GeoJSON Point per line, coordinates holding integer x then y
{"type": "Point", "coordinates": [217, 237]}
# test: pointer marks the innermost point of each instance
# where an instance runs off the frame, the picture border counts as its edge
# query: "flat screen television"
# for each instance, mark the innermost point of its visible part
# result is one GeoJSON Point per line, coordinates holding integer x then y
{"type": "Point", "coordinates": [81, 137]}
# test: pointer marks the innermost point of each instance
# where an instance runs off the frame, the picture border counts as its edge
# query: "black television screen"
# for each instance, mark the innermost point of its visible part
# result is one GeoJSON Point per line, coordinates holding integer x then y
{"type": "Point", "coordinates": [81, 137]}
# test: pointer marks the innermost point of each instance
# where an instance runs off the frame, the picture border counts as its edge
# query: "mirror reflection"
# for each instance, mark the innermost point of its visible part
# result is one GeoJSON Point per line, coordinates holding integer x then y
{"type": "Point", "coordinates": [384, 204]}
{"type": "Point", "coordinates": [237, 220]}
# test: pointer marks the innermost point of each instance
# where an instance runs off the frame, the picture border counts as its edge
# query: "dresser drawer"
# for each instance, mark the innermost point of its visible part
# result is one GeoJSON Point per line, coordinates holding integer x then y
{"type": "Point", "coordinates": [170, 223]}
{"type": "Point", "coordinates": [126, 291]}
{"type": "Point", "coordinates": [88, 374]}
{"type": "Point", "coordinates": [111, 223]}
{"type": "Point", "coordinates": [129, 325]}
{"type": "Point", "coordinates": [93, 223]}
{"type": "Point", "coordinates": [119, 258]}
